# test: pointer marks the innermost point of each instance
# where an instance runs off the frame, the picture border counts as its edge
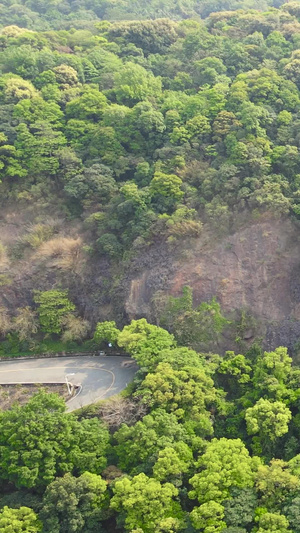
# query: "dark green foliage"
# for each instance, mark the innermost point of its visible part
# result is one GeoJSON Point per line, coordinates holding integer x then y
{"type": "Point", "coordinates": [240, 508]}
{"type": "Point", "coordinates": [74, 504]}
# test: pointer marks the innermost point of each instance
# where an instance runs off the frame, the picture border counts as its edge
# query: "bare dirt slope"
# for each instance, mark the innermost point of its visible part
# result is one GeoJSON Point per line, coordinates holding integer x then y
{"type": "Point", "coordinates": [256, 269]}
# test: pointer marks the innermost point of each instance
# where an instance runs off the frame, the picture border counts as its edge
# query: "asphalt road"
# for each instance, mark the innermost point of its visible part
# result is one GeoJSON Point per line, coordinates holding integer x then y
{"type": "Point", "coordinates": [100, 377]}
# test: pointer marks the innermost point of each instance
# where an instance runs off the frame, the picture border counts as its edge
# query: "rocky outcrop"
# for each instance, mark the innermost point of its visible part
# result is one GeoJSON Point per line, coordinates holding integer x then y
{"type": "Point", "coordinates": [257, 268]}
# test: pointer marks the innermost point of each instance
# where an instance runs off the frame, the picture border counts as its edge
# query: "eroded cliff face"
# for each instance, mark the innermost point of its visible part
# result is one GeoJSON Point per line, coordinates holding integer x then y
{"type": "Point", "coordinates": [256, 269]}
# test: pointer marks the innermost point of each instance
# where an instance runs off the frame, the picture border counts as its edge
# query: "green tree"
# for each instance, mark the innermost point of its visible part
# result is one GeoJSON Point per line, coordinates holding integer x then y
{"type": "Point", "coordinates": [271, 373]}
{"type": "Point", "coordinates": [234, 372]}
{"type": "Point", "coordinates": [208, 517]}
{"type": "Point", "coordinates": [133, 84]}
{"type": "Point", "coordinates": [269, 522]}
{"type": "Point", "coordinates": [95, 182]}
{"type": "Point", "coordinates": [276, 483]}
{"type": "Point", "coordinates": [73, 504]}
{"type": "Point", "coordinates": [269, 419]}
{"type": "Point", "coordinates": [240, 507]}
{"type": "Point", "coordinates": [53, 306]}
{"type": "Point", "coordinates": [37, 110]}
{"type": "Point", "coordinates": [19, 520]}
{"type": "Point", "coordinates": [10, 160]}
{"type": "Point", "coordinates": [138, 444]}
{"type": "Point", "coordinates": [179, 358]}
{"type": "Point", "coordinates": [166, 190]}
{"type": "Point", "coordinates": [89, 106]}
{"type": "Point", "coordinates": [108, 244]}
{"type": "Point", "coordinates": [200, 326]}
{"type": "Point", "coordinates": [145, 341]}
{"type": "Point", "coordinates": [225, 464]}
{"type": "Point", "coordinates": [145, 502]}
{"type": "Point", "coordinates": [66, 76]}
{"type": "Point", "coordinates": [106, 332]}
{"type": "Point", "coordinates": [39, 147]}
{"type": "Point", "coordinates": [173, 462]}
{"type": "Point", "coordinates": [291, 511]}
{"type": "Point", "coordinates": [39, 441]}
{"type": "Point", "coordinates": [153, 36]}
{"type": "Point", "coordinates": [187, 392]}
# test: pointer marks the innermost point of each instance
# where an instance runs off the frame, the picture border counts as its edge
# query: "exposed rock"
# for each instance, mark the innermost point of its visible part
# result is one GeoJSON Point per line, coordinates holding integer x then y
{"type": "Point", "coordinates": [256, 268]}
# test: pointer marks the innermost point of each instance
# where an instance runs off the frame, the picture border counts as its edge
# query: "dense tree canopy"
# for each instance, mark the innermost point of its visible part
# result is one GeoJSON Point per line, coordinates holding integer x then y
{"type": "Point", "coordinates": [142, 126]}
{"type": "Point", "coordinates": [40, 441]}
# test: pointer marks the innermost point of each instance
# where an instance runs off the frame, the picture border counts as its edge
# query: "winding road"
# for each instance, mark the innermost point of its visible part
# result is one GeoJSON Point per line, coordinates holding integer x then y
{"type": "Point", "coordinates": [100, 377]}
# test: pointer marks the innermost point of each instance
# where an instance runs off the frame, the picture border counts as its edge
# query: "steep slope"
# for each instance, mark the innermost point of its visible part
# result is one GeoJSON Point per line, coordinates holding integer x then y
{"type": "Point", "coordinates": [256, 269]}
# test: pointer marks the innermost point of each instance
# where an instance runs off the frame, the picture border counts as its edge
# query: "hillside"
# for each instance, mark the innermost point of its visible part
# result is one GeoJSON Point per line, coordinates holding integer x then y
{"type": "Point", "coordinates": [150, 207]}
{"type": "Point", "coordinates": [57, 14]}
{"type": "Point", "coordinates": [142, 157]}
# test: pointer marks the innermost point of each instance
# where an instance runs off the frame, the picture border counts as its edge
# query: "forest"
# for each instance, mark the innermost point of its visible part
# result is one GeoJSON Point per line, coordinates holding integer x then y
{"type": "Point", "coordinates": [140, 132]}
{"type": "Point", "coordinates": [141, 124]}
{"type": "Point", "coordinates": [198, 442]}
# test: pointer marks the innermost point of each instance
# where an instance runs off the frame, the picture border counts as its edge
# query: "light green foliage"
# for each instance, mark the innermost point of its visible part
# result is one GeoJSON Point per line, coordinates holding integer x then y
{"type": "Point", "coordinates": [39, 147]}
{"type": "Point", "coordinates": [15, 89]}
{"type": "Point", "coordinates": [187, 392]}
{"type": "Point", "coordinates": [172, 462]}
{"type": "Point", "coordinates": [19, 521]}
{"type": "Point", "coordinates": [36, 109]}
{"type": "Point", "coordinates": [166, 190]}
{"type": "Point", "coordinates": [208, 517]}
{"type": "Point", "coordinates": [180, 357]}
{"type": "Point", "coordinates": [145, 501]}
{"type": "Point", "coordinates": [106, 332]}
{"type": "Point", "coordinates": [269, 419]}
{"type": "Point", "coordinates": [144, 341]}
{"type": "Point", "coordinates": [272, 371]}
{"type": "Point", "coordinates": [10, 164]}
{"type": "Point", "coordinates": [226, 463]}
{"type": "Point", "coordinates": [133, 84]}
{"type": "Point", "coordinates": [273, 522]}
{"type": "Point", "coordinates": [53, 305]}
{"type": "Point", "coordinates": [233, 374]}
{"type": "Point", "coordinates": [275, 482]}
{"type": "Point", "coordinates": [235, 366]}
{"type": "Point", "coordinates": [197, 127]}
{"type": "Point", "coordinates": [74, 504]}
{"type": "Point", "coordinates": [39, 441]}
{"type": "Point", "coordinates": [89, 106]}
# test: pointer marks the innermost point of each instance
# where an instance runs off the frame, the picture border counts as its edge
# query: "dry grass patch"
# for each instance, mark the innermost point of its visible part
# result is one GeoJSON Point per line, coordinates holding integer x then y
{"type": "Point", "coordinates": [4, 261]}
{"type": "Point", "coordinates": [62, 252]}
{"type": "Point", "coordinates": [20, 394]}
